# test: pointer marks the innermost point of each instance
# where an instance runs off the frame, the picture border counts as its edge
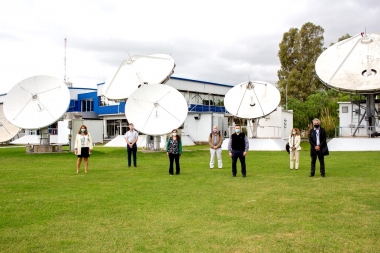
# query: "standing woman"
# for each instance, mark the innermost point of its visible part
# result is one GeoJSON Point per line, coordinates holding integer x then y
{"type": "Point", "coordinates": [294, 146]}
{"type": "Point", "coordinates": [174, 151]}
{"type": "Point", "coordinates": [83, 147]}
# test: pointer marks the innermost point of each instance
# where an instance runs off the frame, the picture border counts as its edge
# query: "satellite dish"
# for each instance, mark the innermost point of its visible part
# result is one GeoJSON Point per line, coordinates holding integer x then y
{"type": "Point", "coordinates": [251, 100]}
{"type": "Point", "coordinates": [136, 71]}
{"type": "Point", "coordinates": [156, 109]}
{"type": "Point", "coordinates": [7, 130]}
{"type": "Point", "coordinates": [36, 102]}
{"type": "Point", "coordinates": [352, 65]}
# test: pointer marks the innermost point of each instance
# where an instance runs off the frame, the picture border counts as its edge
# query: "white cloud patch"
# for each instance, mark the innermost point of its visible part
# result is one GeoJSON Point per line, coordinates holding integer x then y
{"type": "Point", "coordinates": [218, 41]}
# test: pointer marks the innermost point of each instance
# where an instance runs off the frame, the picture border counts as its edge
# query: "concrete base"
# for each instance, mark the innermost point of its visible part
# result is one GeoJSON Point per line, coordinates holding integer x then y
{"type": "Point", "coordinates": [38, 149]}
{"type": "Point", "coordinates": [262, 144]}
{"type": "Point", "coordinates": [354, 144]}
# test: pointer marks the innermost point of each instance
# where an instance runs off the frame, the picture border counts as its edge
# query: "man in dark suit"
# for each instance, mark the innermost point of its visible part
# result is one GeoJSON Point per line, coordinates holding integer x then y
{"type": "Point", "coordinates": [318, 147]}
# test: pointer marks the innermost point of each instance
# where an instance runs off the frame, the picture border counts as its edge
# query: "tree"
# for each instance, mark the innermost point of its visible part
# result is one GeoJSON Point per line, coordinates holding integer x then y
{"type": "Point", "coordinates": [300, 118]}
{"type": "Point", "coordinates": [299, 50]}
{"type": "Point", "coordinates": [346, 36]}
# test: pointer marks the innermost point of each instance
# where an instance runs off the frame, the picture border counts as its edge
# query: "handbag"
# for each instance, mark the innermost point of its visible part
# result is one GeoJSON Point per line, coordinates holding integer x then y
{"type": "Point", "coordinates": [325, 151]}
{"type": "Point", "coordinates": [287, 148]}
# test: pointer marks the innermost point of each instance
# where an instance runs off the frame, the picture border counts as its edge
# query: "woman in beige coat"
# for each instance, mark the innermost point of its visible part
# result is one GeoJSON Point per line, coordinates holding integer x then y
{"type": "Point", "coordinates": [294, 147]}
{"type": "Point", "coordinates": [83, 147]}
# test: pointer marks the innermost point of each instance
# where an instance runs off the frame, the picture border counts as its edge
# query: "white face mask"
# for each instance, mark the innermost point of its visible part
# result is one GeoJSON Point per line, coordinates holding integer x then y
{"type": "Point", "coordinates": [83, 130]}
{"type": "Point", "coordinates": [293, 132]}
{"type": "Point", "coordinates": [174, 134]}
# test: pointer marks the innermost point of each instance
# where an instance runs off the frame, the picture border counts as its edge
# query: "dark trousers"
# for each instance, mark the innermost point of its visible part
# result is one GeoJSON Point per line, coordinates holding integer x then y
{"type": "Point", "coordinates": [131, 151]}
{"type": "Point", "coordinates": [236, 154]}
{"type": "Point", "coordinates": [172, 158]}
{"type": "Point", "coordinates": [321, 159]}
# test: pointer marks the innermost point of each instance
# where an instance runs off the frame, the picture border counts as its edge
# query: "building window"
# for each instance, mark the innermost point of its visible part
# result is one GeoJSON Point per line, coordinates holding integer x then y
{"type": "Point", "coordinates": [103, 101]}
{"type": "Point", "coordinates": [88, 105]}
{"type": "Point", "coordinates": [344, 109]}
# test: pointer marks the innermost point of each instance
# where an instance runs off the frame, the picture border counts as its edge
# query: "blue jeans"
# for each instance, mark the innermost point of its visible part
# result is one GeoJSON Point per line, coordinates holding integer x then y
{"type": "Point", "coordinates": [133, 151]}
{"type": "Point", "coordinates": [236, 154]}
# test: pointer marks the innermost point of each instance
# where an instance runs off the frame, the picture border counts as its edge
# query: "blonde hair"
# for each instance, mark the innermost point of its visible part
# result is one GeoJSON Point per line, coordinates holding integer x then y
{"type": "Point", "coordinates": [297, 131]}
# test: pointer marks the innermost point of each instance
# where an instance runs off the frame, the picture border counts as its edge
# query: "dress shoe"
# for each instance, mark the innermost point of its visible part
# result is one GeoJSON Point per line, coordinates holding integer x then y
{"type": "Point", "coordinates": [244, 175]}
{"type": "Point", "coordinates": [311, 175]}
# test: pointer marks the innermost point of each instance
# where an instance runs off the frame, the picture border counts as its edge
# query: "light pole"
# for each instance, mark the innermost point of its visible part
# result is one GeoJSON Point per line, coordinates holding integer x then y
{"type": "Point", "coordinates": [286, 97]}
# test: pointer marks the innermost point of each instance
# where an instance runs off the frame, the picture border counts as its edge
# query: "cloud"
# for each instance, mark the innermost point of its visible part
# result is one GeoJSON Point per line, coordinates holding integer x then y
{"type": "Point", "coordinates": [217, 41]}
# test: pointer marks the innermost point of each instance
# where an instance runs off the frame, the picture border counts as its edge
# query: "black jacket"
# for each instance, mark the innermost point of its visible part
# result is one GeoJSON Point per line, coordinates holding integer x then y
{"type": "Point", "coordinates": [322, 140]}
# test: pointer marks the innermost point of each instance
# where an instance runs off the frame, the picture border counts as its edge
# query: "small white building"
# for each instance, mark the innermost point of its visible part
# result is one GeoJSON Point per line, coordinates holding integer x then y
{"type": "Point", "coordinates": [352, 115]}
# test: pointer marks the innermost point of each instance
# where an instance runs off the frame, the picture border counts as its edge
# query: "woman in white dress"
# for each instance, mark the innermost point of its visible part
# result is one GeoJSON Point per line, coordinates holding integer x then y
{"type": "Point", "coordinates": [83, 147]}
{"type": "Point", "coordinates": [294, 147]}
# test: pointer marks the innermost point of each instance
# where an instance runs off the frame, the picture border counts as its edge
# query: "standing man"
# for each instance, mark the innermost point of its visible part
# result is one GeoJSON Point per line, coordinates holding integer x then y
{"type": "Point", "coordinates": [131, 137]}
{"type": "Point", "coordinates": [318, 147]}
{"type": "Point", "coordinates": [238, 146]}
{"type": "Point", "coordinates": [215, 141]}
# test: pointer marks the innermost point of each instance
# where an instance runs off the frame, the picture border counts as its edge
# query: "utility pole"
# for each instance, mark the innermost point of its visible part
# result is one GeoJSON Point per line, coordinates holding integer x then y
{"type": "Point", "coordinates": [64, 62]}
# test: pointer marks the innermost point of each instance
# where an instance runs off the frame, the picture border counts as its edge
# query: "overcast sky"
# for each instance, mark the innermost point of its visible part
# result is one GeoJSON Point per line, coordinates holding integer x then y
{"type": "Point", "coordinates": [220, 41]}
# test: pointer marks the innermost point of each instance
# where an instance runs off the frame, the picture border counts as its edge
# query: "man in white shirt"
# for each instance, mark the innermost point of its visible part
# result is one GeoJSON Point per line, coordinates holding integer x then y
{"type": "Point", "coordinates": [131, 138]}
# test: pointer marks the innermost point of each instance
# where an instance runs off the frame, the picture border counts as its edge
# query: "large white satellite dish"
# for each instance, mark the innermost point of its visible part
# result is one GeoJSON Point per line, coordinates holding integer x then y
{"type": "Point", "coordinates": [136, 71]}
{"type": "Point", "coordinates": [7, 130]}
{"type": "Point", "coordinates": [252, 100]}
{"type": "Point", "coordinates": [352, 65]}
{"type": "Point", "coordinates": [36, 102]}
{"type": "Point", "coordinates": [156, 109]}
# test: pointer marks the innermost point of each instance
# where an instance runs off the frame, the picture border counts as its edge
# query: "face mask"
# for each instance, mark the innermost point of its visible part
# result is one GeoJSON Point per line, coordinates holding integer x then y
{"type": "Point", "coordinates": [293, 132]}
{"type": "Point", "coordinates": [215, 130]}
{"type": "Point", "coordinates": [174, 134]}
{"type": "Point", "coordinates": [316, 126]}
{"type": "Point", "coordinates": [83, 130]}
{"type": "Point", "coordinates": [237, 130]}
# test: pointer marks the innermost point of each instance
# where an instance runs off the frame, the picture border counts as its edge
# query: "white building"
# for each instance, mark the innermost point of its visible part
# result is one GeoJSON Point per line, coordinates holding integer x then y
{"type": "Point", "coordinates": [351, 116]}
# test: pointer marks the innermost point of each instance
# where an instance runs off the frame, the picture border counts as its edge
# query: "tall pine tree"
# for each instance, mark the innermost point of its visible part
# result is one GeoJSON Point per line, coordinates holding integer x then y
{"type": "Point", "coordinates": [299, 50]}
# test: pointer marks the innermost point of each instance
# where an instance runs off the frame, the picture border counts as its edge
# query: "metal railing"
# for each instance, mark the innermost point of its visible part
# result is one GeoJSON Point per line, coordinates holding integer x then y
{"type": "Point", "coordinates": [362, 131]}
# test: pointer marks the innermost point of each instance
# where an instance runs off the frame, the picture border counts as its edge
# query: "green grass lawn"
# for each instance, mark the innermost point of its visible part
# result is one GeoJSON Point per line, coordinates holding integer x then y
{"type": "Point", "coordinates": [46, 207]}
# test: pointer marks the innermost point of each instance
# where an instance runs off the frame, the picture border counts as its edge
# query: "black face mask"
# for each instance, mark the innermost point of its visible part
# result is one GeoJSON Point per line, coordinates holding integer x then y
{"type": "Point", "coordinates": [316, 126]}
